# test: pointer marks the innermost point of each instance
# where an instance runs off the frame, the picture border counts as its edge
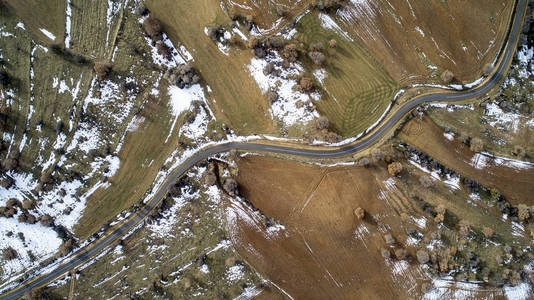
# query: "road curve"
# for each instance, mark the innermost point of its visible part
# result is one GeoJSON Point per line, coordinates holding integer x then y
{"type": "Point", "coordinates": [99, 245]}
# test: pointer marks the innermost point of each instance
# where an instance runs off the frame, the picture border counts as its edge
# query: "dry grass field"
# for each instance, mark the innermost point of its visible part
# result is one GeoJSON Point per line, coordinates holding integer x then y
{"type": "Point", "coordinates": [236, 99]}
{"type": "Point", "coordinates": [268, 15]}
{"type": "Point", "coordinates": [512, 182]}
{"type": "Point", "coordinates": [417, 40]}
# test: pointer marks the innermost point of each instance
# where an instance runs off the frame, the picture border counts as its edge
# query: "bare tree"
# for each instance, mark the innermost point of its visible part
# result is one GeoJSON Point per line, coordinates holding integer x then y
{"type": "Point", "coordinates": [464, 227]}
{"type": "Point", "coordinates": [47, 220]}
{"type": "Point", "coordinates": [321, 123]}
{"type": "Point", "coordinates": [477, 145]}
{"type": "Point", "coordinates": [102, 68]}
{"type": "Point", "coordinates": [395, 168]}
{"type": "Point", "coordinates": [9, 253]}
{"type": "Point", "coordinates": [377, 155]}
{"type": "Point", "coordinates": [317, 57]}
{"type": "Point", "coordinates": [230, 186]}
{"type": "Point", "coordinates": [523, 212]}
{"type": "Point", "coordinates": [447, 76]}
{"type": "Point", "coordinates": [488, 232]}
{"type": "Point", "coordinates": [364, 162]}
{"type": "Point", "coordinates": [306, 84]}
{"type": "Point", "coordinates": [153, 28]}
{"type": "Point", "coordinates": [290, 52]}
{"type": "Point", "coordinates": [359, 213]}
{"type": "Point", "coordinates": [422, 257]}
{"type": "Point", "coordinates": [401, 253]}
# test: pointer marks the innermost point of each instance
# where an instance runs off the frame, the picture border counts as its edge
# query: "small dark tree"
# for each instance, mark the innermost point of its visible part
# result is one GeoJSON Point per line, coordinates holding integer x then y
{"type": "Point", "coordinates": [519, 151]}
{"type": "Point", "coordinates": [4, 78]}
{"type": "Point", "coordinates": [59, 127]}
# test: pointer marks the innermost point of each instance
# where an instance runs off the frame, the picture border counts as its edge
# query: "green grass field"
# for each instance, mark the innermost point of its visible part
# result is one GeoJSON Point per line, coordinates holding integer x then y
{"type": "Point", "coordinates": [357, 89]}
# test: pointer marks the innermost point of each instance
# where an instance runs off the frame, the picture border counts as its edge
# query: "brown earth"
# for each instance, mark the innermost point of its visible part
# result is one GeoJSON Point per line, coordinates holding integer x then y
{"type": "Point", "coordinates": [457, 35]}
{"type": "Point", "coordinates": [514, 184]}
{"type": "Point", "coordinates": [323, 251]}
{"type": "Point", "coordinates": [415, 41]}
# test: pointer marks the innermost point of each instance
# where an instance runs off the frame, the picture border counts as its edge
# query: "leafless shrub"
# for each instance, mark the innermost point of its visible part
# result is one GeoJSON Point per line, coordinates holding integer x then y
{"type": "Point", "coordinates": [476, 145]}
{"type": "Point", "coordinates": [317, 57]}
{"type": "Point", "coordinates": [395, 168]}
{"type": "Point", "coordinates": [377, 155]}
{"type": "Point", "coordinates": [153, 28]}
{"type": "Point", "coordinates": [488, 232]}
{"type": "Point", "coordinates": [426, 181]}
{"type": "Point", "coordinates": [9, 253]}
{"type": "Point", "coordinates": [447, 76]}
{"type": "Point", "coordinates": [306, 84]}
{"type": "Point", "coordinates": [102, 68]}
{"type": "Point", "coordinates": [332, 43]}
{"type": "Point", "coordinates": [359, 213]}
{"type": "Point", "coordinates": [322, 123]}
{"type": "Point", "coordinates": [487, 69]}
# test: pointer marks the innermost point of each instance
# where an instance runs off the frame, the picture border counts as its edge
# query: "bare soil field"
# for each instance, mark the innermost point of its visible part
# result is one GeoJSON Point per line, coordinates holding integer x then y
{"type": "Point", "coordinates": [318, 249]}
{"type": "Point", "coordinates": [513, 182]}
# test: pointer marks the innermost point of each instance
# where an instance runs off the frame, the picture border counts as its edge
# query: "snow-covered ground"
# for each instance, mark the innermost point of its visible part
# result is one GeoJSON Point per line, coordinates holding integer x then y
{"type": "Point", "coordinates": [292, 107]}
{"type": "Point", "coordinates": [484, 159]}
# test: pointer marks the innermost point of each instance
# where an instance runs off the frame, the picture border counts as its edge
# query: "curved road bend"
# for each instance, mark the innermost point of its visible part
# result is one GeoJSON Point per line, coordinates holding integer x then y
{"type": "Point", "coordinates": [349, 149]}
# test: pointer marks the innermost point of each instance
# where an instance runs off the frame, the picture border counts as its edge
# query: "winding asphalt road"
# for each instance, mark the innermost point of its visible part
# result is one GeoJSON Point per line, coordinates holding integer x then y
{"type": "Point", "coordinates": [94, 248]}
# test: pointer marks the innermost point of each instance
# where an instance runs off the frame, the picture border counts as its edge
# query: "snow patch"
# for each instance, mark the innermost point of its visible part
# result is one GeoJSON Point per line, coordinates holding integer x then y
{"type": "Point", "coordinates": [48, 34]}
